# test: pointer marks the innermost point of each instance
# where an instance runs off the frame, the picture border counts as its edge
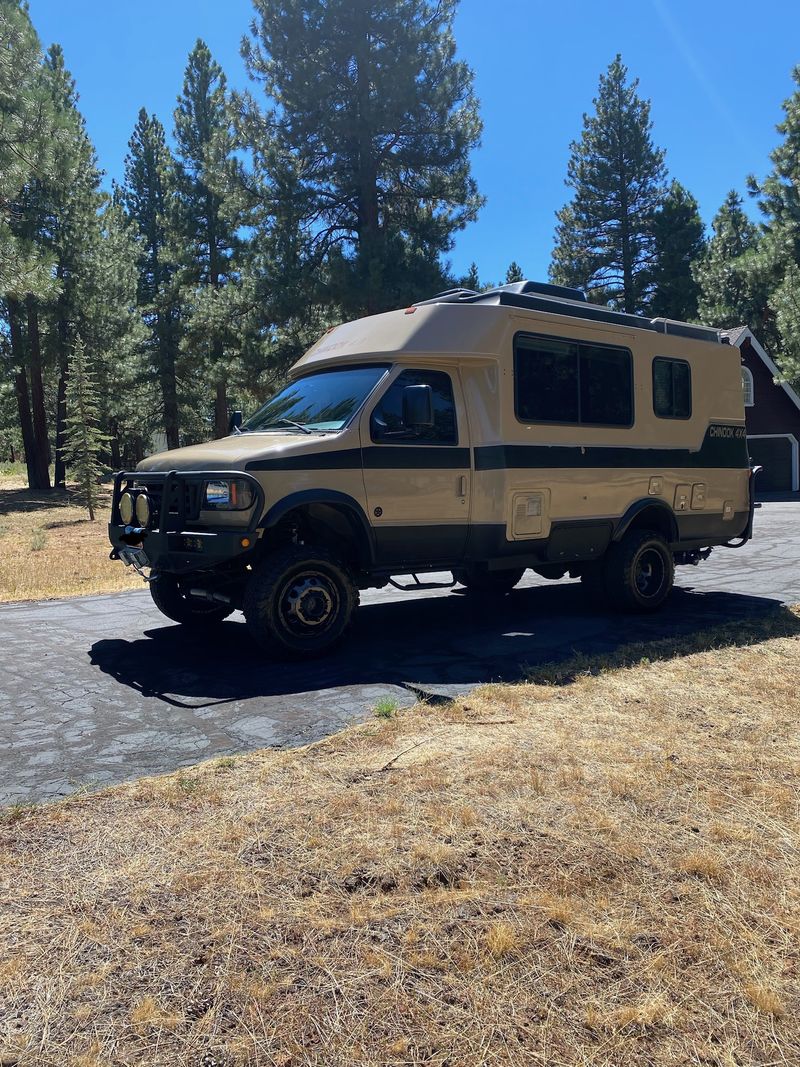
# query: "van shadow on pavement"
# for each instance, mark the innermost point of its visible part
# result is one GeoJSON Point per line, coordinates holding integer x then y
{"type": "Point", "coordinates": [439, 645]}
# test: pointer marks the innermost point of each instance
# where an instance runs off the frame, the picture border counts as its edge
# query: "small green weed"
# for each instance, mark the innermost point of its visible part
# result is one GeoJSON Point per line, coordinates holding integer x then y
{"type": "Point", "coordinates": [187, 784]}
{"type": "Point", "coordinates": [38, 540]}
{"type": "Point", "coordinates": [385, 708]}
{"type": "Point", "coordinates": [224, 763]}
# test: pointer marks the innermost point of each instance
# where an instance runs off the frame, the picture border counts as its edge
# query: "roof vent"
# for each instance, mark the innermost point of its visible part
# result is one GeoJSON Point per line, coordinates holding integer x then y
{"type": "Point", "coordinates": [563, 292]}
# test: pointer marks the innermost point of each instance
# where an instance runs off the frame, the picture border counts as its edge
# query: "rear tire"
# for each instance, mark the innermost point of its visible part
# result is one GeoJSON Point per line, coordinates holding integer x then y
{"type": "Point", "coordinates": [479, 580]}
{"type": "Point", "coordinates": [638, 572]}
{"type": "Point", "coordinates": [189, 611]}
{"type": "Point", "coordinates": [299, 602]}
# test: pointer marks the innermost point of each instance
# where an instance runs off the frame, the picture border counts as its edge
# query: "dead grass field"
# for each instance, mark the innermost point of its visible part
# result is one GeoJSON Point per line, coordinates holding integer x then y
{"type": "Point", "coordinates": [48, 547]}
{"type": "Point", "coordinates": [592, 868]}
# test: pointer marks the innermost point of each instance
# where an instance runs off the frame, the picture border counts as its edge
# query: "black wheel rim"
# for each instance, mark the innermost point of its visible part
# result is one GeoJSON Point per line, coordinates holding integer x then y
{"type": "Point", "coordinates": [308, 604]}
{"type": "Point", "coordinates": [650, 573]}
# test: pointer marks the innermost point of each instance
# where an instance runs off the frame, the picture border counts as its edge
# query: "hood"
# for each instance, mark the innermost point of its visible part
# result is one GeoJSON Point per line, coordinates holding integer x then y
{"type": "Point", "coordinates": [235, 452]}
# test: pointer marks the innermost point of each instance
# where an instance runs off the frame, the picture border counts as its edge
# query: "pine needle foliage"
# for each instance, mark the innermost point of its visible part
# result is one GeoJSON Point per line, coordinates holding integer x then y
{"type": "Point", "coordinates": [778, 261]}
{"type": "Point", "coordinates": [85, 441]}
{"type": "Point", "coordinates": [679, 237]}
{"type": "Point", "coordinates": [514, 273]}
{"type": "Point", "coordinates": [731, 290]}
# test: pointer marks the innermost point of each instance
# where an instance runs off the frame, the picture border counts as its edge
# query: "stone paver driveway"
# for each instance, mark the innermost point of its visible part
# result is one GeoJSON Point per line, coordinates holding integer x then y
{"type": "Point", "coordinates": [102, 689]}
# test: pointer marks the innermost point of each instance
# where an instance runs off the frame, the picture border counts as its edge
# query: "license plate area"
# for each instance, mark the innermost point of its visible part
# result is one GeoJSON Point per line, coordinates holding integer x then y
{"type": "Point", "coordinates": [136, 558]}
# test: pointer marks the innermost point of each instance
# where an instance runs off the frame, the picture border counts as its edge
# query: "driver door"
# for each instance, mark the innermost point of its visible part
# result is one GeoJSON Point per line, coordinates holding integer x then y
{"type": "Point", "coordinates": [417, 479]}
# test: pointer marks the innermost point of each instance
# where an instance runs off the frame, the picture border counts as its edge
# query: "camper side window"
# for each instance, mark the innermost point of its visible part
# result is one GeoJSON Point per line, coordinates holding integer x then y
{"type": "Point", "coordinates": [672, 388]}
{"type": "Point", "coordinates": [572, 382]}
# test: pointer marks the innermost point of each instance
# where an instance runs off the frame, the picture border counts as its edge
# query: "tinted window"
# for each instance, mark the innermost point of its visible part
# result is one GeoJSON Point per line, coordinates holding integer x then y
{"type": "Point", "coordinates": [606, 392]}
{"type": "Point", "coordinates": [672, 388]}
{"type": "Point", "coordinates": [567, 381]}
{"type": "Point", "coordinates": [387, 424]}
{"type": "Point", "coordinates": [547, 381]}
{"type": "Point", "coordinates": [321, 402]}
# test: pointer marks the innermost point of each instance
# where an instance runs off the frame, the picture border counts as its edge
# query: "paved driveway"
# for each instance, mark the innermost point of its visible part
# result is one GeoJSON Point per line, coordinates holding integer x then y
{"type": "Point", "coordinates": [101, 689]}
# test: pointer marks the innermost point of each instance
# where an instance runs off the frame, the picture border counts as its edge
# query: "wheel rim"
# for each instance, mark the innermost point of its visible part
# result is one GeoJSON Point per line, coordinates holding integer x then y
{"type": "Point", "coordinates": [650, 573]}
{"type": "Point", "coordinates": [308, 604]}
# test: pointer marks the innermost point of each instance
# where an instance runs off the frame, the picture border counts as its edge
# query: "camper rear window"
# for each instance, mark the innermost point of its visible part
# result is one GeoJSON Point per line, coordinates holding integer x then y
{"type": "Point", "coordinates": [572, 382]}
{"type": "Point", "coordinates": [672, 388]}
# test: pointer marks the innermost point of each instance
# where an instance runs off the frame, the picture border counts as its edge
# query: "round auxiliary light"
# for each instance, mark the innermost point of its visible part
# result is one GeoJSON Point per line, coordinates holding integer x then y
{"type": "Point", "coordinates": [126, 508]}
{"type": "Point", "coordinates": [144, 509]}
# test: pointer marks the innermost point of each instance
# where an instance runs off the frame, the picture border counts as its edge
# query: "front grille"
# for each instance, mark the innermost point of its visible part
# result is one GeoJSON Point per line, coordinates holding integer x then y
{"type": "Point", "coordinates": [185, 498]}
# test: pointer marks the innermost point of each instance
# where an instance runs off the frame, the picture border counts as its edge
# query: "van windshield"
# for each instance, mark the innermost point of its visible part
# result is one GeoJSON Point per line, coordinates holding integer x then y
{"type": "Point", "coordinates": [319, 403]}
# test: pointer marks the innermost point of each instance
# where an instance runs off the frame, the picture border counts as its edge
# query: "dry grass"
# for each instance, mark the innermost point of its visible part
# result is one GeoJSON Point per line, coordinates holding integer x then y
{"type": "Point", "coordinates": [602, 871]}
{"type": "Point", "coordinates": [48, 547]}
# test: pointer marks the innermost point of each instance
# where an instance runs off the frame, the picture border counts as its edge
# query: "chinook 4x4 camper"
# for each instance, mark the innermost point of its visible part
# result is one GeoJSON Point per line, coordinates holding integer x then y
{"type": "Point", "coordinates": [475, 433]}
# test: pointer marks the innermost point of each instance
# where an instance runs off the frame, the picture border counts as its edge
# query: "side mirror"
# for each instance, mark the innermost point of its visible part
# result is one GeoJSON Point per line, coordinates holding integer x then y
{"type": "Point", "coordinates": [417, 406]}
{"type": "Point", "coordinates": [237, 418]}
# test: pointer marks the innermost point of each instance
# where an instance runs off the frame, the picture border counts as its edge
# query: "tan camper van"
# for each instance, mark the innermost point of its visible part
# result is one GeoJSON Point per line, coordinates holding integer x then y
{"type": "Point", "coordinates": [476, 434]}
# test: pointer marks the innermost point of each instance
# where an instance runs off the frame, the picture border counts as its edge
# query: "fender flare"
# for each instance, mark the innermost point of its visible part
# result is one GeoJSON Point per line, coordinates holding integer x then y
{"type": "Point", "coordinates": [289, 503]}
{"type": "Point", "coordinates": [640, 506]}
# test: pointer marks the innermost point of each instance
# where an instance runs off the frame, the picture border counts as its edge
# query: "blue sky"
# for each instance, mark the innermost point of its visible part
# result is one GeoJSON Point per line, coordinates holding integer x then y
{"type": "Point", "coordinates": [716, 71]}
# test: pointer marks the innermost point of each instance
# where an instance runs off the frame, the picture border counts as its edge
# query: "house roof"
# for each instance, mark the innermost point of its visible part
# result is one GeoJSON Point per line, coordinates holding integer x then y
{"type": "Point", "coordinates": [738, 335]}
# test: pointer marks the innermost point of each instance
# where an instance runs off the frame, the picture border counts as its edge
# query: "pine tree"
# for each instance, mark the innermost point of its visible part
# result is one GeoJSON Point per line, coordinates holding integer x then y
{"type": "Point", "coordinates": [74, 200]}
{"type": "Point", "coordinates": [114, 332]}
{"type": "Point", "coordinates": [732, 291]}
{"type": "Point", "coordinates": [28, 133]}
{"type": "Point", "coordinates": [25, 147]}
{"type": "Point", "coordinates": [679, 240]}
{"type": "Point", "coordinates": [514, 273]}
{"type": "Point", "coordinates": [604, 238]}
{"type": "Point", "coordinates": [84, 439]}
{"type": "Point", "coordinates": [381, 118]}
{"type": "Point", "coordinates": [471, 279]}
{"type": "Point", "coordinates": [148, 197]}
{"type": "Point", "coordinates": [208, 216]}
{"type": "Point", "coordinates": [777, 262]}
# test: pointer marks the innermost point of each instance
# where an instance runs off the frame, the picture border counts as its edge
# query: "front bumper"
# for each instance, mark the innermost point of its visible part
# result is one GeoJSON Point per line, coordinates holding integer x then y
{"type": "Point", "coordinates": [175, 541]}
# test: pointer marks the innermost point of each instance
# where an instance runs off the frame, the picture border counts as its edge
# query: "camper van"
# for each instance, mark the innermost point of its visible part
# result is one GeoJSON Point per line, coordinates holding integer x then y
{"type": "Point", "coordinates": [476, 434]}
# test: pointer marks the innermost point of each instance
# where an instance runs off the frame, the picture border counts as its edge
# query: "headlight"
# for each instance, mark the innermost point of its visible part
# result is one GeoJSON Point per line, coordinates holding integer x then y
{"type": "Point", "coordinates": [144, 509]}
{"type": "Point", "coordinates": [235, 494]}
{"type": "Point", "coordinates": [126, 508]}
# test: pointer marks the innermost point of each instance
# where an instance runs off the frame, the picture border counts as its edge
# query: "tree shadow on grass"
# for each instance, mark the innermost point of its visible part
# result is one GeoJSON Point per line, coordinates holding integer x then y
{"type": "Point", "coordinates": [18, 500]}
{"type": "Point", "coordinates": [440, 645]}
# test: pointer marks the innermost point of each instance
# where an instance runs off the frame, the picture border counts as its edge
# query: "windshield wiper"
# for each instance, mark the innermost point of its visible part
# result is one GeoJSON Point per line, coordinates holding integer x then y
{"type": "Point", "coordinates": [291, 422]}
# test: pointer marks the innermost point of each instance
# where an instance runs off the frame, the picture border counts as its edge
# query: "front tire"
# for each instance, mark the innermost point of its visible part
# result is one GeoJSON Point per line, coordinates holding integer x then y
{"type": "Point", "coordinates": [299, 602]}
{"type": "Point", "coordinates": [189, 611]}
{"type": "Point", "coordinates": [638, 572]}
{"type": "Point", "coordinates": [478, 579]}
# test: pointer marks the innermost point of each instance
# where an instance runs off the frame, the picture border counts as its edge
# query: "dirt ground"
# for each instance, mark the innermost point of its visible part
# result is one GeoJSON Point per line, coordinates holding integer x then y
{"type": "Point", "coordinates": [599, 866]}
{"type": "Point", "coordinates": [48, 546]}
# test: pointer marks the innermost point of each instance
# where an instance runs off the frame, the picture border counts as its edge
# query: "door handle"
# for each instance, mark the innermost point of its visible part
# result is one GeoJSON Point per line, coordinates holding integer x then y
{"type": "Point", "coordinates": [462, 485]}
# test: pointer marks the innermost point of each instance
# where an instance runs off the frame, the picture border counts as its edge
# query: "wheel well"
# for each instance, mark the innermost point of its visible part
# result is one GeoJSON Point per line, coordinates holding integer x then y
{"type": "Point", "coordinates": [649, 516]}
{"type": "Point", "coordinates": [336, 527]}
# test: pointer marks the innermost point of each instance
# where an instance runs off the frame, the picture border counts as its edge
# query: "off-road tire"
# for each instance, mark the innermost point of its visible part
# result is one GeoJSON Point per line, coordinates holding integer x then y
{"type": "Point", "coordinates": [480, 581]}
{"type": "Point", "coordinates": [189, 611]}
{"type": "Point", "coordinates": [306, 619]}
{"type": "Point", "coordinates": [638, 572]}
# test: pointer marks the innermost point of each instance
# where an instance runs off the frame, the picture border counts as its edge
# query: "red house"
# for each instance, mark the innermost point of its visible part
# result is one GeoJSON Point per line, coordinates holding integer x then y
{"type": "Point", "coordinates": [772, 417]}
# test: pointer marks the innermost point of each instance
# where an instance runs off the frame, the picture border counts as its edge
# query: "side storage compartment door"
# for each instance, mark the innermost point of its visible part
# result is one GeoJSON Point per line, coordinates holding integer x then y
{"type": "Point", "coordinates": [418, 478]}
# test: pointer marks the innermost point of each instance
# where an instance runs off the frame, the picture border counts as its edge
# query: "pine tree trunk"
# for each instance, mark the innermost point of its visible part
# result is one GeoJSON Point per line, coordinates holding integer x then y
{"type": "Point", "coordinates": [113, 445]}
{"type": "Point", "coordinates": [368, 214]}
{"type": "Point", "coordinates": [37, 397]}
{"type": "Point", "coordinates": [221, 409]}
{"type": "Point", "coordinates": [60, 473]}
{"type": "Point", "coordinates": [169, 387]}
{"type": "Point", "coordinates": [26, 426]}
{"type": "Point", "coordinates": [23, 395]}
